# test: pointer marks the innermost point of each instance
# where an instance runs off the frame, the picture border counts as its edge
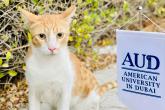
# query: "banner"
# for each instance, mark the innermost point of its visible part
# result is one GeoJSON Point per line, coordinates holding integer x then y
{"type": "Point", "coordinates": [141, 69]}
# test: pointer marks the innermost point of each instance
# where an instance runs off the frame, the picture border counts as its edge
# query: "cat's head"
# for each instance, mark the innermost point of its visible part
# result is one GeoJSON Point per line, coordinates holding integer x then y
{"type": "Point", "coordinates": [50, 32]}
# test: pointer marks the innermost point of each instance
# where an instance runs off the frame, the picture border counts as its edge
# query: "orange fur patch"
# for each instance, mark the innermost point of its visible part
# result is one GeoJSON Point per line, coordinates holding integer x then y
{"type": "Point", "coordinates": [103, 88]}
{"type": "Point", "coordinates": [86, 82]}
{"type": "Point", "coordinates": [37, 42]}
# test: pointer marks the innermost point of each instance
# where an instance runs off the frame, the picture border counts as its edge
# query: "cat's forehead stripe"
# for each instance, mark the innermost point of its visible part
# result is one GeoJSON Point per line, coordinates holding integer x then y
{"type": "Point", "coordinates": [53, 23]}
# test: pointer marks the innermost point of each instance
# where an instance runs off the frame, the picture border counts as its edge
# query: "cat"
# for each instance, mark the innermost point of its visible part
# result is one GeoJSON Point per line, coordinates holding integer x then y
{"type": "Point", "coordinates": [56, 77]}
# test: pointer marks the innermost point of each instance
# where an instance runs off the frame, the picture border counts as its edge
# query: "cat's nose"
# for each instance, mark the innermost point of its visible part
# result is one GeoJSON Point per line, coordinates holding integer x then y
{"type": "Point", "coordinates": [52, 49]}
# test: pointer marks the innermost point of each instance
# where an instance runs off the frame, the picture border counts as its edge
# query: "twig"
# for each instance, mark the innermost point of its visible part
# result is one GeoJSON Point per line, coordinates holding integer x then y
{"type": "Point", "coordinates": [5, 26]}
{"type": "Point", "coordinates": [14, 49]}
{"type": "Point", "coordinates": [161, 29]}
{"type": "Point", "coordinates": [5, 83]}
{"type": "Point", "coordinates": [3, 42]}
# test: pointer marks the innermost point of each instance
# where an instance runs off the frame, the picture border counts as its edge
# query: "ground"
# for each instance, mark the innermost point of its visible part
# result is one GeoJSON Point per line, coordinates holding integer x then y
{"type": "Point", "coordinates": [110, 100]}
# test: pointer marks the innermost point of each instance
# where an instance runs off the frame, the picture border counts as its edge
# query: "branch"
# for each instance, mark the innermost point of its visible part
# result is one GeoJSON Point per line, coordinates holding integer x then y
{"type": "Point", "coordinates": [14, 49]}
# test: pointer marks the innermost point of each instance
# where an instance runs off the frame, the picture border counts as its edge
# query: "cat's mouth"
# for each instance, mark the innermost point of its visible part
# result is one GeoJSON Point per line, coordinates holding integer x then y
{"type": "Point", "coordinates": [52, 53]}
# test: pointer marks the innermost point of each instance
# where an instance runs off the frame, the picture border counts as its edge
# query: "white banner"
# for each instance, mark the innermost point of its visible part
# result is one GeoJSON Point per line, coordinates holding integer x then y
{"type": "Point", "coordinates": [141, 69]}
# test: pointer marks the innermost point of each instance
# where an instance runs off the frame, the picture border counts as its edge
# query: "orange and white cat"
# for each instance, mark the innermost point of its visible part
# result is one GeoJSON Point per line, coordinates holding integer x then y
{"type": "Point", "coordinates": [55, 76]}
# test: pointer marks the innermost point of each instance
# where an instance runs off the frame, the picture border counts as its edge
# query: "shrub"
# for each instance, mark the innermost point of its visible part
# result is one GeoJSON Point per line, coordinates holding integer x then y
{"type": "Point", "coordinates": [94, 19]}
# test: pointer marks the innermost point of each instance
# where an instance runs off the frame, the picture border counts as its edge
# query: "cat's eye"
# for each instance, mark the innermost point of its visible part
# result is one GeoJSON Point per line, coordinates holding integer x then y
{"type": "Point", "coordinates": [60, 35]}
{"type": "Point", "coordinates": [42, 36]}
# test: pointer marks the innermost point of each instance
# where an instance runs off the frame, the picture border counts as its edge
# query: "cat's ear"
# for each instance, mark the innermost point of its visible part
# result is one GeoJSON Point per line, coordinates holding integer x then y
{"type": "Point", "coordinates": [69, 13]}
{"type": "Point", "coordinates": [29, 17]}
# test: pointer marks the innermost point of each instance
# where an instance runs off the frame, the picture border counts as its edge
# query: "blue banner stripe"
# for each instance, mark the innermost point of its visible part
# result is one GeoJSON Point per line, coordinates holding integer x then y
{"type": "Point", "coordinates": [141, 93]}
{"type": "Point", "coordinates": [140, 70]}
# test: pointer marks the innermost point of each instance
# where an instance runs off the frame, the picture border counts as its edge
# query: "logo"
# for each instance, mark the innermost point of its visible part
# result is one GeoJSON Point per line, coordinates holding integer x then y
{"type": "Point", "coordinates": [140, 74]}
{"type": "Point", "coordinates": [148, 61]}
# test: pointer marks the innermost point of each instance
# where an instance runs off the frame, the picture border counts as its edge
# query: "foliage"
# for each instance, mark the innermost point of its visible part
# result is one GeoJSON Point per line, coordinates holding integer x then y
{"type": "Point", "coordinates": [94, 19]}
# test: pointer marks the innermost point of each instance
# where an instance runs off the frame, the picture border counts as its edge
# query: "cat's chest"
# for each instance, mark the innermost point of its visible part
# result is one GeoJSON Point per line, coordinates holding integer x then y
{"type": "Point", "coordinates": [49, 70]}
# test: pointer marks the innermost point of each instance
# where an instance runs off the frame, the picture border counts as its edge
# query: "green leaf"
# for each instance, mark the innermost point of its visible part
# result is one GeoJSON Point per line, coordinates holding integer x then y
{"type": "Point", "coordinates": [161, 10]}
{"type": "Point", "coordinates": [1, 61]}
{"type": "Point", "coordinates": [86, 36]}
{"type": "Point", "coordinates": [34, 1]}
{"type": "Point", "coordinates": [79, 40]}
{"type": "Point", "coordinates": [50, 1]}
{"type": "Point", "coordinates": [94, 15]}
{"type": "Point", "coordinates": [79, 1]}
{"type": "Point", "coordinates": [8, 56]}
{"type": "Point", "coordinates": [1, 75]}
{"type": "Point", "coordinates": [103, 14]}
{"type": "Point", "coordinates": [87, 19]}
{"type": "Point", "coordinates": [96, 4]}
{"type": "Point", "coordinates": [97, 20]}
{"type": "Point", "coordinates": [70, 38]}
{"type": "Point", "coordinates": [5, 65]}
{"type": "Point", "coordinates": [29, 37]}
{"type": "Point", "coordinates": [6, 2]}
{"type": "Point", "coordinates": [5, 37]}
{"type": "Point", "coordinates": [1, 5]}
{"type": "Point", "coordinates": [90, 42]}
{"type": "Point", "coordinates": [74, 22]}
{"type": "Point", "coordinates": [80, 30]}
{"type": "Point", "coordinates": [14, 44]}
{"type": "Point", "coordinates": [77, 45]}
{"type": "Point", "coordinates": [89, 1]}
{"type": "Point", "coordinates": [41, 9]}
{"type": "Point", "coordinates": [12, 73]}
{"type": "Point", "coordinates": [151, 2]}
{"type": "Point", "coordinates": [24, 67]}
{"type": "Point", "coordinates": [113, 12]}
{"type": "Point", "coordinates": [86, 12]}
{"type": "Point", "coordinates": [125, 6]}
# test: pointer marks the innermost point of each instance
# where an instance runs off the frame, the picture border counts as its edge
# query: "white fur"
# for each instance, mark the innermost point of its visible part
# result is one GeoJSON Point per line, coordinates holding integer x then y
{"type": "Point", "coordinates": [91, 102]}
{"type": "Point", "coordinates": [52, 40]}
{"type": "Point", "coordinates": [50, 80]}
